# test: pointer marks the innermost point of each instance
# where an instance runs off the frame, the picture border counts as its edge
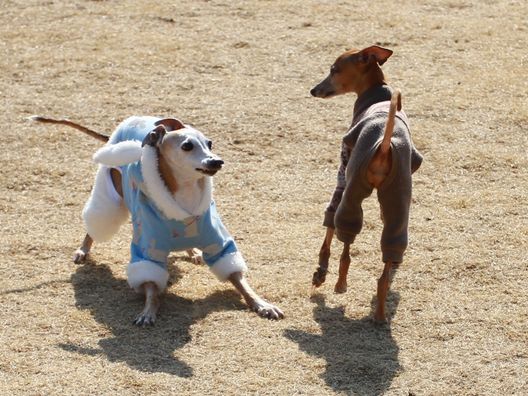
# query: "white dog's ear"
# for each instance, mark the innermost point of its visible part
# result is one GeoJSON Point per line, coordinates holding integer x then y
{"type": "Point", "coordinates": [170, 124]}
{"type": "Point", "coordinates": [155, 137]}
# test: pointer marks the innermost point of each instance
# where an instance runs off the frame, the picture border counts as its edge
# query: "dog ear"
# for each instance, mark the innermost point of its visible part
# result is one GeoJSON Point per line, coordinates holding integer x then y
{"type": "Point", "coordinates": [154, 137]}
{"type": "Point", "coordinates": [170, 124]}
{"type": "Point", "coordinates": [375, 53]}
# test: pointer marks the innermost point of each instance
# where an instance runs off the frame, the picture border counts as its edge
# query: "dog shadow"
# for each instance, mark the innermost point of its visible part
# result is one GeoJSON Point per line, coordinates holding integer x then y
{"type": "Point", "coordinates": [361, 356]}
{"type": "Point", "coordinates": [113, 304]}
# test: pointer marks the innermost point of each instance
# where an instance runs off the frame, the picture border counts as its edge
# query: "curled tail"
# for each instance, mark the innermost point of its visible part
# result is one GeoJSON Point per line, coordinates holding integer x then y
{"type": "Point", "coordinates": [89, 132]}
{"type": "Point", "coordinates": [395, 105]}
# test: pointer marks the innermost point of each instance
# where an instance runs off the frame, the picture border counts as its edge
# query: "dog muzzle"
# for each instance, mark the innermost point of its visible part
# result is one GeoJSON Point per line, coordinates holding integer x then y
{"type": "Point", "coordinates": [211, 166]}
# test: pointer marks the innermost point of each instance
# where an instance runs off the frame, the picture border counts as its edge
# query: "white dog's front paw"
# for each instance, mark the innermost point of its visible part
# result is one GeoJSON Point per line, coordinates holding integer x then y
{"type": "Point", "coordinates": [267, 310]}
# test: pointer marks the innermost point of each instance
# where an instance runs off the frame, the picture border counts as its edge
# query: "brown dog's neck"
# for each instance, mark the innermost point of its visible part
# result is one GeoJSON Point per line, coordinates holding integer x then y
{"type": "Point", "coordinates": [375, 94]}
{"type": "Point", "coordinates": [166, 174]}
{"type": "Point", "coordinates": [373, 77]}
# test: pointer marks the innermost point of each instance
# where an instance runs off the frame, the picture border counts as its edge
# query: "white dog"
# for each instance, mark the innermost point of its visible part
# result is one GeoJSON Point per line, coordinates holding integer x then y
{"type": "Point", "coordinates": [160, 171]}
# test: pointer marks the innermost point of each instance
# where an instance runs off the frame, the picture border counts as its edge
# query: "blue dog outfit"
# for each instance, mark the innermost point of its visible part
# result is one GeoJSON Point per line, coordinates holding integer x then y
{"type": "Point", "coordinates": [160, 225]}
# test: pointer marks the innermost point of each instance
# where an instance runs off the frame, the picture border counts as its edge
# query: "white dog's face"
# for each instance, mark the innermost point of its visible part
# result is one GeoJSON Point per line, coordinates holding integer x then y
{"type": "Point", "coordinates": [189, 153]}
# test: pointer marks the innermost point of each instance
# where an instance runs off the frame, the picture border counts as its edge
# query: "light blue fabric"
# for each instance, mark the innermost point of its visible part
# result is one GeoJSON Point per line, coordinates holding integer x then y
{"type": "Point", "coordinates": [155, 235]}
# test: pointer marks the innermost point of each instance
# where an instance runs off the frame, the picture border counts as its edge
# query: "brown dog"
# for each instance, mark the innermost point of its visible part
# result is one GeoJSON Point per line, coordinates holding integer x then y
{"type": "Point", "coordinates": [377, 152]}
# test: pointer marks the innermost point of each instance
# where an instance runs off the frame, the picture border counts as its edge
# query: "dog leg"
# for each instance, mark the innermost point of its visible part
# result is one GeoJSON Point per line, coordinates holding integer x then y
{"type": "Point", "coordinates": [383, 288]}
{"type": "Point", "coordinates": [255, 303]}
{"type": "Point", "coordinates": [148, 316]}
{"type": "Point", "coordinates": [344, 264]}
{"type": "Point", "coordinates": [319, 276]}
{"type": "Point", "coordinates": [81, 253]}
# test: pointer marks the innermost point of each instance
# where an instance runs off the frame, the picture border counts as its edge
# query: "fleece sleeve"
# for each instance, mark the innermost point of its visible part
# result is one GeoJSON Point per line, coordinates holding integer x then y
{"type": "Point", "coordinates": [219, 249]}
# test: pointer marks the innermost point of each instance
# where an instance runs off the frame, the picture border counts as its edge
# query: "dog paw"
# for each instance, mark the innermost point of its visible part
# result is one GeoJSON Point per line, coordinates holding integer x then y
{"type": "Point", "coordinates": [197, 259]}
{"type": "Point", "coordinates": [145, 319]}
{"type": "Point", "coordinates": [340, 288]}
{"type": "Point", "coordinates": [195, 256]}
{"type": "Point", "coordinates": [380, 319]}
{"type": "Point", "coordinates": [267, 310]}
{"type": "Point", "coordinates": [79, 256]}
{"type": "Point", "coordinates": [319, 277]}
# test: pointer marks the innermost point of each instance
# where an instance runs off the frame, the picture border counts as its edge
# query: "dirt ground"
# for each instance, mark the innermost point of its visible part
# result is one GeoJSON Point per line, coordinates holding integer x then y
{"type": "Point", "coordinates": [241, 71]}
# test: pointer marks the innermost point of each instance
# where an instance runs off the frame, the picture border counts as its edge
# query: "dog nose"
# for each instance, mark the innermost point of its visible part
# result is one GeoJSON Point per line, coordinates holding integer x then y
{"type": "Point", "coordinates": [312, 91]}
{"type": "Point", "coordinates": [215, 163]}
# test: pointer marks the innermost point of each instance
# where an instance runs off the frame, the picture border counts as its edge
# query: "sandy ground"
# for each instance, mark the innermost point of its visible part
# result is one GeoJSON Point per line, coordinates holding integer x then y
{"type": "Point", "coordinates": [241, 72]}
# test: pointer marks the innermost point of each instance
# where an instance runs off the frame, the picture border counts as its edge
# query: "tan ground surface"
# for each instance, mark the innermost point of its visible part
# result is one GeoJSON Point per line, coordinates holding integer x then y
{"type": "Point", "coordinates": [241, 71]}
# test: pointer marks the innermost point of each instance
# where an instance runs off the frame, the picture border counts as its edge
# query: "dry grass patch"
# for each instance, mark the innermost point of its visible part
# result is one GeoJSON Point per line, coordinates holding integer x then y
{"type": "Point", "coordinates": [241, 72]}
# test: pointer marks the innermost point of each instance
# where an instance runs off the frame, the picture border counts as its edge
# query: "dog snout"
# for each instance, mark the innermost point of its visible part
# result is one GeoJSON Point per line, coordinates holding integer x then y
{"type": "Point", "coordinates": [324, 89]}
{"type": "Point", "coordinates": [320, 90]}
{"type": "Point", "coordinates": [215, 163]}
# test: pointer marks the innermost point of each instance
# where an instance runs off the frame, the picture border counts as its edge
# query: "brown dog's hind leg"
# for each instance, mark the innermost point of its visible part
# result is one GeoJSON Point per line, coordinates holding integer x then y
{"type": "Point", "coordinates": [344, 264]}
{"type": "Point", "coordinates": [81, 253]}
{"type": "Point", "coordinates": [319, 276]}
{"type": "Point", "coordinates": [383, 288]}
{"type": "Point", "coordinates": [147, 317]}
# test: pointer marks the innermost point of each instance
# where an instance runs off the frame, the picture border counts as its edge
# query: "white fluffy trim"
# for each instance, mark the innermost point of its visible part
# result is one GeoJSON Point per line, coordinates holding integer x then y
{"type": "Point", "coordinates": [119, 154]}
{"type": "Point", "coordinates": [105, 211]}
{"type": "Point", "coordinates": [140, 272]}
{"type": "Point", "coordinates": [158, 192]}
{"type": "Point", "coordinates": [228, 264]}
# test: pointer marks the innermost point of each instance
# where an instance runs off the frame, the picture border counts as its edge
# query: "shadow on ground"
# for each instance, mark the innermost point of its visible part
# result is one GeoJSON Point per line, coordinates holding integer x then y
{"type": "Point", "coordinates": [113, 304]}
{"type": "Point", "coordinates": [361, 357]}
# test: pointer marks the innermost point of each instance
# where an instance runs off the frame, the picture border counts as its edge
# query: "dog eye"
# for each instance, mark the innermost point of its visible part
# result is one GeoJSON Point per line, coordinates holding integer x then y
{"type": "Point", "coordinates": [334, 70]}
{"type": "Point", "coordinates": [187, 146]}
{"type": "Point", "coordinates": [210, 144]}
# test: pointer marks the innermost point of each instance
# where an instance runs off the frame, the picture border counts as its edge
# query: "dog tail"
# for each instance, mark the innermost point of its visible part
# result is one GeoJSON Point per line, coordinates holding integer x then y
{"type": "Point", "coordinates": [395, 104]}
{"type": "Point", "coordinates": [89, 132]}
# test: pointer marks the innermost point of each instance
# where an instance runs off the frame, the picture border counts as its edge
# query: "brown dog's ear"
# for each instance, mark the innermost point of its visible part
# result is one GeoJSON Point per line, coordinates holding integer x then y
{"type": "Point", "coordinates": [170, 124]}
{"type": "Point", "coordinates": [377, 53]}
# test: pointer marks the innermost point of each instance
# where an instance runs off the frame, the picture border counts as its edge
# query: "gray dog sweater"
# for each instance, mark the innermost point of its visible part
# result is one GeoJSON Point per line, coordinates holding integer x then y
{"type": "Point", "coordinates": [344, 212]}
